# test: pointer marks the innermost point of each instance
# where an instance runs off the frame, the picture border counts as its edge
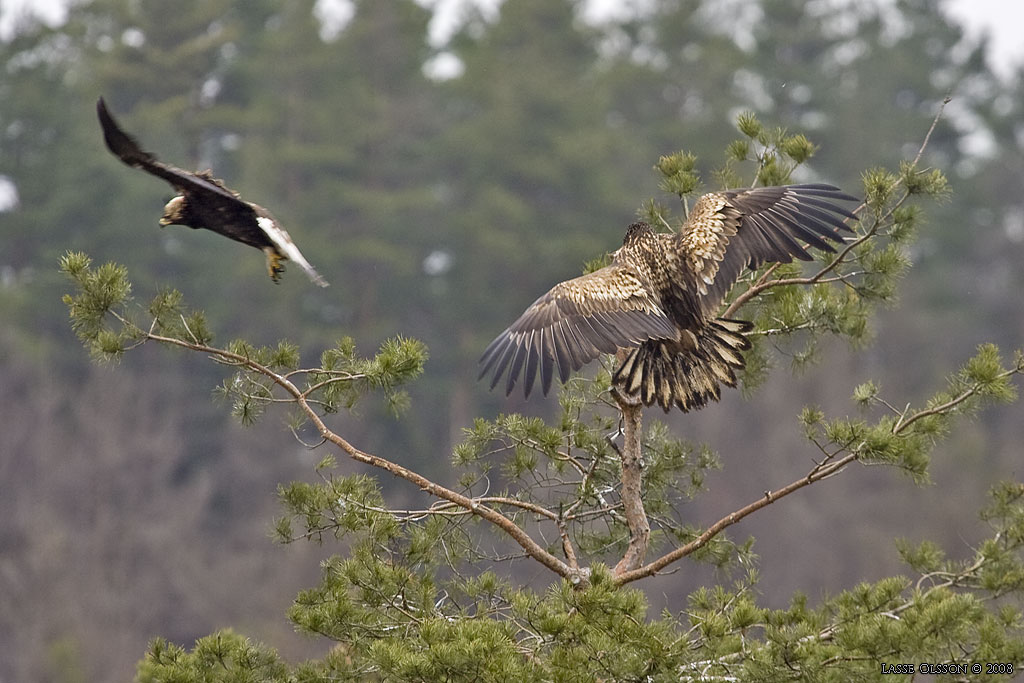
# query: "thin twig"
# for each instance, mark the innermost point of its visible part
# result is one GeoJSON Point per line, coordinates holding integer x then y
{"type": "Point", "coordinates": [935, 122]}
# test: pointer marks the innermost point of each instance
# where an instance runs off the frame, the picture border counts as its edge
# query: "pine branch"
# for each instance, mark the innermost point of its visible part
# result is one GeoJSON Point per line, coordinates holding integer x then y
{"type": "Point", "coordinates": [631, 456]}
{"type": "Point", "coordinates": [470, 505]}
{"type": "Point", "coordinates": [817, 474]}
{"type": "Point", "coordinates": [833, 463]}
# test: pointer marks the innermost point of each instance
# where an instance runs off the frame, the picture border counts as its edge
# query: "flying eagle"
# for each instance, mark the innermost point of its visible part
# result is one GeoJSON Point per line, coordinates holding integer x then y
{"type": "Point", "coordinates": [205, 202]}
{"type": "Point", "coordinates": [660, 295]}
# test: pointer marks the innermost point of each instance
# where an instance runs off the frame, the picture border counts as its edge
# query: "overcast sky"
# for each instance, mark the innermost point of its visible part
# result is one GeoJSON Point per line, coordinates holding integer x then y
{"type": "Point", "coordinates": [1003, 19]}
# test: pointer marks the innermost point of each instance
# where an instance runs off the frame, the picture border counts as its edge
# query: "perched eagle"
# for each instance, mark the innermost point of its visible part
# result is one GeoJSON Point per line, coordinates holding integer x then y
{"type": "Point", "coordinates": [660, 295]}
{"type": "Point", "coordinates": [205, 202]}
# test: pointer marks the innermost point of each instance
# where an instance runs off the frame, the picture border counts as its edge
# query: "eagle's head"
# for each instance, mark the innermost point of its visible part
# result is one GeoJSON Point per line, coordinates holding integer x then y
{"type": "Point", "coordinates": [174, 212]}
{"type": "Point", "coordinates": [637, 233]}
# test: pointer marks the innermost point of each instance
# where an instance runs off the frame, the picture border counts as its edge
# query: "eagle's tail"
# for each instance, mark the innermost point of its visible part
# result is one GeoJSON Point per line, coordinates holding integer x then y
{"type": "Point", "coordinates": [688, 376]}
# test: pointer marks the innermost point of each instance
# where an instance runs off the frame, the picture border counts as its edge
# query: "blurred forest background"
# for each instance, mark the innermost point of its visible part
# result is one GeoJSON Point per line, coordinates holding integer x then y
{"type": "Point", "coordinates": [440, 185]}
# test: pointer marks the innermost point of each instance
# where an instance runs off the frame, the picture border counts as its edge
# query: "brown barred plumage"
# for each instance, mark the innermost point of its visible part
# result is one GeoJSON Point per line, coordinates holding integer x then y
{"type": "Point", "coordinates": [660, 295]}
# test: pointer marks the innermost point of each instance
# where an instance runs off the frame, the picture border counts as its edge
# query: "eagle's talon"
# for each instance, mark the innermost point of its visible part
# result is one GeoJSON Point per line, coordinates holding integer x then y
{"type": "Point", "coordinates": [274, 267]}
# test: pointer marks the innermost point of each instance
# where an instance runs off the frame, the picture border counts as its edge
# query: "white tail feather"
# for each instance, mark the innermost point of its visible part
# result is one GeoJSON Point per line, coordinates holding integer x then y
{"type": "Point", "coordinates": [283, 241]}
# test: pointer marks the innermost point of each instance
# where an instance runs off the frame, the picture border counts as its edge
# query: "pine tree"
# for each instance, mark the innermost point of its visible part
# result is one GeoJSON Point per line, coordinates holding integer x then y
{"type": "Point", "coordinates": [134, 465]}
{"type": "Point", "coordinates": [594, 499]}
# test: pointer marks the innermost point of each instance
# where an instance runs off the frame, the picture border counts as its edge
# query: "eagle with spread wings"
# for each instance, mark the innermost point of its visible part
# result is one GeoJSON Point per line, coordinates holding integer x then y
{"type": "Point", "coordinates": [205, 202]}
{"type": "Point", "coordinates": [659, 298]}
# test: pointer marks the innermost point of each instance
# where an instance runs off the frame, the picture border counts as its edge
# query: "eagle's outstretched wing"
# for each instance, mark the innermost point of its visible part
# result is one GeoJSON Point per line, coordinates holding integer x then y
{"type": "Point", "coordinates": [127, 149]}
{"type": "Point", "coordinates": [736, 229]}
{"type": "Point", "coordinates": [574, 323]}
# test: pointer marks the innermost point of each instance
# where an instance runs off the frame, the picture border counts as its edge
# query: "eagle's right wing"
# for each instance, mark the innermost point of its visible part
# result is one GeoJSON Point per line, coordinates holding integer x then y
{"type": "Point", "coordinates": [575, 322]}
{"type": "Point", "coordinates": [127, 149]}
{"type": "Point", "coordinates": [735, 229]}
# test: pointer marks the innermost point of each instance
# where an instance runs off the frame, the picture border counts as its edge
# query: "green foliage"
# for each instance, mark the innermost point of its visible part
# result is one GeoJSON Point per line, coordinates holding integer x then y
{"type": "Point", "coordinates": [103, 292]}
{"type": "Point", "coordinates": [775, 152]}
{"type": "Point", "coordinates": [406, 605]}
{"type": "Point", "coordinates": [931, 183]}
{"type": "Point", "coordinates": [172, 320]}
{"type": "Point", "coordinates": [574, 470]}
{"type": "Point", "coordinates": [223, 656]}
{"type": "Point", "coordinates": [103, 317]}
{"type": "Point", "coordinates": [394, 616]}
{"type": "Point", "coordinates": [597, 263]}
{"type": "Point", "coordinates": [678, 175]}
{"type": "Point", "coordinates": [905, 437]}
{"type": "Point", "coordinates": [344, 377]}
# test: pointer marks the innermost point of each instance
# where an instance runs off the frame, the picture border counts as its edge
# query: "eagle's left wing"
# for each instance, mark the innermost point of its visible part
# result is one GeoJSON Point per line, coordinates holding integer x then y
{"type": "Point", "coordinates": [127, 149]}
{"type": "Point", "coordinates": [574, 323]}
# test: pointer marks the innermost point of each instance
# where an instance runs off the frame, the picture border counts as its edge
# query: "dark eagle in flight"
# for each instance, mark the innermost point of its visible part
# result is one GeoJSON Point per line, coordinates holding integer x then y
{"type": "Point", "coordinates": [660, 295]}
{"type": "Point", "coordinates": [205, 202]}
